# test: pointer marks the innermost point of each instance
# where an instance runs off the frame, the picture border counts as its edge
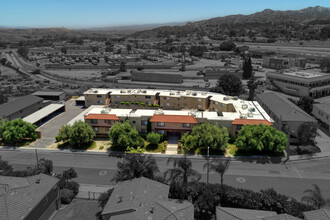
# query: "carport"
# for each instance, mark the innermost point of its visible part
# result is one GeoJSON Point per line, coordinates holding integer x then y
{"type": "Point", "coordinates": [45, 114]}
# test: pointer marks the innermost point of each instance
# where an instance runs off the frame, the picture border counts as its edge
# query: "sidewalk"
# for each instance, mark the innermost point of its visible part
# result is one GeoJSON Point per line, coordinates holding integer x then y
{"type": "Point", "coordinates": [87, 191]}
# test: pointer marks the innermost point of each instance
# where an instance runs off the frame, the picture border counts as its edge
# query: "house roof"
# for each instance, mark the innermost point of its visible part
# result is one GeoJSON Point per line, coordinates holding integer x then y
{"type": "Point", "coordinates": [133, 199]}
{"type": "Point", "coordinates": [174, 119]}
{"type": "Point", "coordinates": [18, 104]}
{"type": "Point", "coordinates": [283, 108]}
{"type": "Point", "coordinates": [174, 209]}
{"type": "Point", "coordinates": [281, 217]}
{"type": "Point", "coordinates": [224, 213]}
{"type": "Point", "coordinates": [102, 117]}
{"type": "Point", "coordinates": [19, 196]}
{"type": "Point", "coordinates": [239, 121]}
{"type": "Point", "coordinates": [321, 214]}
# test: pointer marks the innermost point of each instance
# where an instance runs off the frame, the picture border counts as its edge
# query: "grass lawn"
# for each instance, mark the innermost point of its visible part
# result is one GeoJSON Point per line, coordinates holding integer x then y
{"type": "Point", "coordinates": [154, 148]}
{"type": "Point", "coordinates": [78, 210]}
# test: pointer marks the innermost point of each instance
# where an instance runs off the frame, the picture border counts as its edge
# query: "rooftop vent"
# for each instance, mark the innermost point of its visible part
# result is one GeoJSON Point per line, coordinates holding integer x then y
{"type": "Point", "coordinates": [244, 106]}
{"type": "Point", "coordinates": [194, 93]}
{"type": "Point", "coordinates": [95, 91]}
{"type": "Point", "coordinates": [37, 181]}
{"type": "Point", "coordinates": [250, 115]}
{"type": "Point", "coordinates": [144, 91]}
{"type": "Point", "coordinates": [120, 199]}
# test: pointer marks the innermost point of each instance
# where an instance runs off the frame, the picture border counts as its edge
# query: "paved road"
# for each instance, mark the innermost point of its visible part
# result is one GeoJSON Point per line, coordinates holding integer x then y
{"type": "Point", "coordinates": [50, 129]}
{"type": "Point", "coordinates": [291, 179]}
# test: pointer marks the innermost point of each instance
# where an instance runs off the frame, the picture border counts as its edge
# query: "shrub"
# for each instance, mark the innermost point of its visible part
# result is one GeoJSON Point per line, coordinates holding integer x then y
{"type": "Point", "coordinates": [149, 105]}
{"type": "Point", "coordinates": [74, 186]}
{"type": "Point", "coordinates": [142, 104]}
{"type": "Point", "coordinates": [122, 103]}
{"type": "Point", "coordinates": [101, 147]}
{"type": "Point", "coordinates": [127, 103]}
{"type": "Point", "coordinates": [66, 196]}
{"type": "Point", "coordinates": [136, 103]}
{"type": "Point", "coordinates": [156, 105]}
{"type": "Point", "coordinates": [153, 138]}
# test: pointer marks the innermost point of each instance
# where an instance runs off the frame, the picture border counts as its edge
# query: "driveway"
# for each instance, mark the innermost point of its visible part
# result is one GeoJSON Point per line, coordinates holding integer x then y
{"type": "Point", "coordinates": [50, 129]}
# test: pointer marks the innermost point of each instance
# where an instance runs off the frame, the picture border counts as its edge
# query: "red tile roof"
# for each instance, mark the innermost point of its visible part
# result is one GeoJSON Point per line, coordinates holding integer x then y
{"type": "Point", "coordinates": [102, 117]}
{"type": "Point", "coordinates": [174, 119]}
{"type": "Point", "coordinates": [239, 121]}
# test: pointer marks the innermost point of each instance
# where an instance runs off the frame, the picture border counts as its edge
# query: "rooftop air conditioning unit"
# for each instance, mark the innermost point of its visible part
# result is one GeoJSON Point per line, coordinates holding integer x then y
{"type": "Point", "coordinates": [244, 106]}
{"type": "Point", "coordinates": [252, 109]}
{"type": "Point", "coordinates": [225, 98]}
{"type": "Point", "coordinates": [144, 91]}
{"type": "Point", "coordinates": [194, 94]}
{"type": "Point", "coordinates": [250, 115]}
{"type": "Point", "coordinates": [95, 91]}
{"type": "Point", "coordinates": [171, 93]}
{"type": "Point", "coordinates": [243, 116]}
{"type": "Point", "coordinates": [235, 98]}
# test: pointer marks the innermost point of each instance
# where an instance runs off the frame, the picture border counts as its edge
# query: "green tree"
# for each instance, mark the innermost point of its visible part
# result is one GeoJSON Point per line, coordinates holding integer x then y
{"type": "Point", "coordinates": [197, 50]}
{"type": "Point", "coordinates": [228, 46]}
{"type": "Point", "coordinates": [123, 135]}
{"type": "Point", "coordinates": [206, 135]}
{"type": "Point", "coordinates": [45, 166]}
{"type": "Point", "coordinates": [23, 51]}
{"type": "Point", "coordinates": [122, 67]}
{"type": "Point", "coordinates": [135, 166]}
{"type": "Point", "coordinates": [306, 103]}
{"type": "Point", "coordinates": [153, 138]}
{"type": "Point", "coordinates": [261, 138]}
{"type": "Point", "coordinates": [81, 134]}
{"type": "Point", "coordinates": [230, 84]}
{"type": "Point", "coordinates": [104, 198]}
{"type": "Point", "coordinates": [307, 133]}
{"type": "Point", "coordinates": [314, 197]}
{"type": "Point", "coordinates": [95, 48]}
{"type": "Point", "coordinates": [17, 131]}
{"type": "Point", "coordinates": [109, 48]}
{"type": "Point", "coordinates": [247, 67]}
{"type": "Point", "coordinates": [64, 50]}
{"type": "Point", "coordinates": [181, 174]}
{"type": "Point", "coordinates": [252, 85]}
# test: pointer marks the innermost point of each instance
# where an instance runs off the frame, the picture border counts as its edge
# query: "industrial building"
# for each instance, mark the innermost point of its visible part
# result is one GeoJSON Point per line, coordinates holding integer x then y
{"type": "Point", "coordinates": [300, 83]}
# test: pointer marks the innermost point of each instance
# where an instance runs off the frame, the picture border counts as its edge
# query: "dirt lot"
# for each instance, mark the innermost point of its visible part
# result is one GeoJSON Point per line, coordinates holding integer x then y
{"type": "Point", "coordinates": [80, 74]}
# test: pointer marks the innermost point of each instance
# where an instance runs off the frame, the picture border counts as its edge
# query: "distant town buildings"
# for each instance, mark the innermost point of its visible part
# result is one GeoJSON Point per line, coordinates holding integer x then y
{"type": "Point", "coordinates": [300, 83]}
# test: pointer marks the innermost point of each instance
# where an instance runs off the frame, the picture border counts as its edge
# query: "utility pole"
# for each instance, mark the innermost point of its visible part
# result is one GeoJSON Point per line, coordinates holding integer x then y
{"type": "Point", "coordinates": [208, 164]}
{"type": "Point", "coordinates": [37, 156]}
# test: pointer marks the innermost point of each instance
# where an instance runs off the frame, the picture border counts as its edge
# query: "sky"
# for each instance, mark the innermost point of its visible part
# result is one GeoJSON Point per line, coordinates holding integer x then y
{"type": "Point", "coordinates": [106, 13]}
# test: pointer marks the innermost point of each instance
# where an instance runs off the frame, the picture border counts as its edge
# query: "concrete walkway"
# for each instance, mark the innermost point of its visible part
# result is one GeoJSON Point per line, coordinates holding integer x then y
{"type": "Point", "coordinates": [87, 191]}
{"type": "Point", "coordinates": [172, 149]}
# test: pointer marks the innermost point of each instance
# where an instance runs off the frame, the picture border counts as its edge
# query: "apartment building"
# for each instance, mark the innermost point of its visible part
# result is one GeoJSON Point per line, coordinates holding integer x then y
{"type": "Point", "coordinates": [97, 97]}
{"type": "Point", "coordinates": [178, 111]}
{"type": "Point", "coordinates": [322, 112]}
{"type": "Point", "coordinates": [300, 83]}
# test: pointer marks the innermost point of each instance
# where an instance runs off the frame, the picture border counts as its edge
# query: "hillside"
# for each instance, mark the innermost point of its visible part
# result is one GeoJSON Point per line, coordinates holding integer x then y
{"type": "Point", "coordinates": [266, 23]}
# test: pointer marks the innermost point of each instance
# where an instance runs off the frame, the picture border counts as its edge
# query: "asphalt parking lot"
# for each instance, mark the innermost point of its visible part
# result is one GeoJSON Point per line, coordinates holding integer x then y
{"type": "Point", "coordinates": [50, 129]}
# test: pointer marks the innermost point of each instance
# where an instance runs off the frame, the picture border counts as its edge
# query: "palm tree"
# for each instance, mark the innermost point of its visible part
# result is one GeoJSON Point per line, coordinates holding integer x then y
{"type": "Point", "coordinates": [182, 173]}
{"type": "Point", "coordinates": [314, 197]}
{"type": "Point", "coordinates": [135, 166]}
{"type": "Point", "coordinates": [220, 166]}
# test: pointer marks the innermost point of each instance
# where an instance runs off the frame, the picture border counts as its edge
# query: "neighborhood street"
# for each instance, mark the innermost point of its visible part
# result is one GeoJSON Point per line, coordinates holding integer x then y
{"type": "Point", "coordinates": [291, 178]}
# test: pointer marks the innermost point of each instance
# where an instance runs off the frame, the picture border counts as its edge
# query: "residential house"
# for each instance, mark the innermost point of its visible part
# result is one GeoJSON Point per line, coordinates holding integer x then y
{"type": "Point", "coordinates": [321, 214]}
{"type": "Point", "coordinates": [143, 198]}
{"type": "Point", "coordinates": [224, 213]}
{"type": "Point", "coordinates": [29, 198]}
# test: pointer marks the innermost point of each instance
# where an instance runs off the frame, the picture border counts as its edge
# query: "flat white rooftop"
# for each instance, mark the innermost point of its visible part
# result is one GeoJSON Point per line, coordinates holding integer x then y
{"type": "Point", "coordinates": [306, 75]}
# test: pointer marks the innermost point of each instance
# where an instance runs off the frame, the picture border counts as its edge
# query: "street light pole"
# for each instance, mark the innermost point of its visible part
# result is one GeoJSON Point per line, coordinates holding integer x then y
{"type": "Point", "coordinates": [208, 164]}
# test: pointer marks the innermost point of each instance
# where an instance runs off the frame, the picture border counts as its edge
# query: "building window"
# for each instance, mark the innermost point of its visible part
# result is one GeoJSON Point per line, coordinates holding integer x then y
{"type": "Point", "coordinates": [161, 132]}
{"type": "Point", "coordinates": [148, 97]}
{"type": "Point", "coordinates": [94, 121]}
{"type": "Point", "coordinates": [160, 124]}
{"type": "Point", "coordinates": [99, 102]}
{"type": "Point", "coordinates": [199, 100]}
{"type": "Point", "coordinates": [96, 129]}
{"type": "Point", "coordinates": [144, 122]}
{"type": "Point", "coordinates": [99, 96]}
{"type": "Point", "coordinates": [143, 131]}
{"type": "Point", "coordinates": [133, 122]}
{"type": "Point", "coordinates": [167, 104]}
{"type": "Point", "coordinates": [186, 125]}
{"type": "Point", "coordinates": [107, 129]}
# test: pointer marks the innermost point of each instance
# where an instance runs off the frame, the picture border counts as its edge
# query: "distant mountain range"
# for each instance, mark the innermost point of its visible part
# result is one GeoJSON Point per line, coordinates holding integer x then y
{"type": "Point", "coordinates": [265, 18]}
{"type": "Point", "coordinates": [137, 27]}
